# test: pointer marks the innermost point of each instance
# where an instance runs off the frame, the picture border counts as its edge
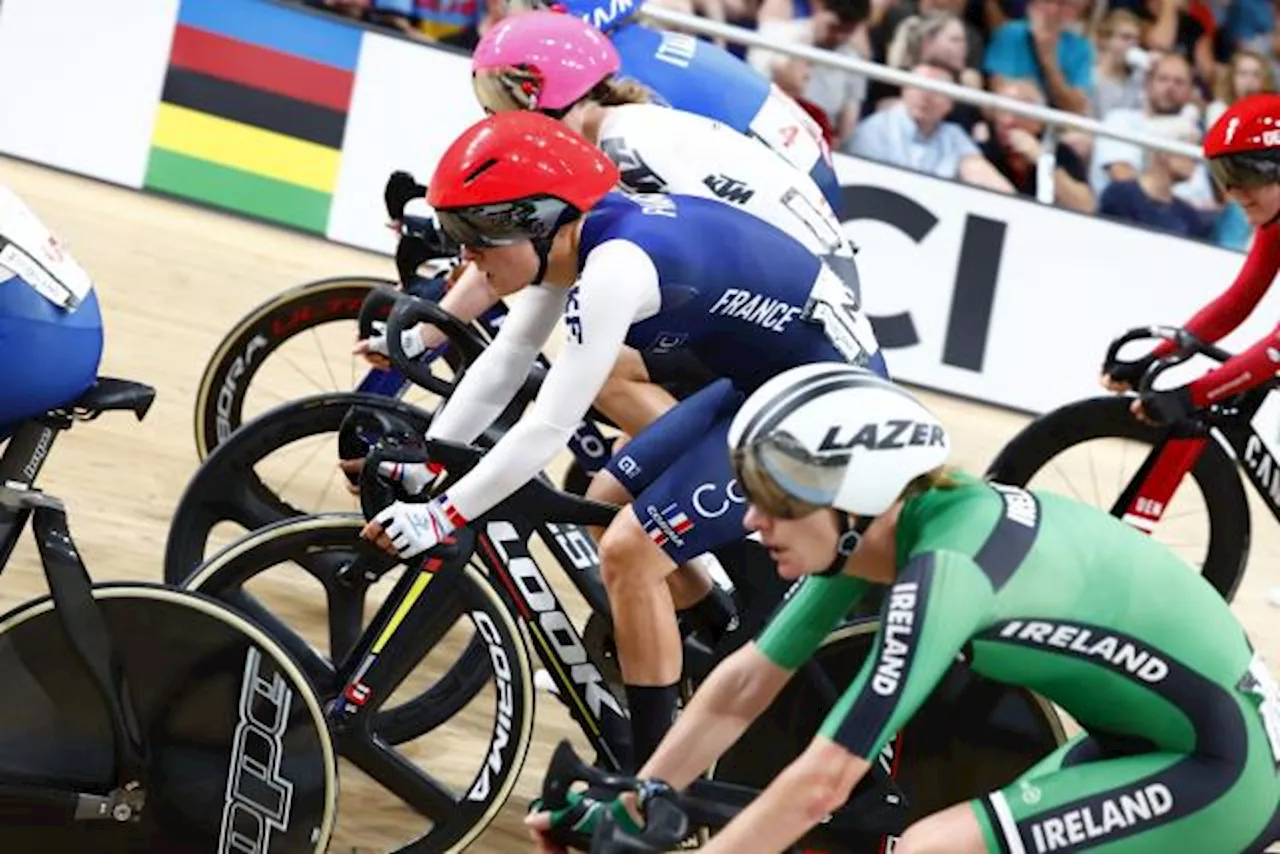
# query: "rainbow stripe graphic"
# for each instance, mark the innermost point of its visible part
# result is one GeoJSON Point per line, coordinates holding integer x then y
{"type": "Point", "coordinates": [254, 109]}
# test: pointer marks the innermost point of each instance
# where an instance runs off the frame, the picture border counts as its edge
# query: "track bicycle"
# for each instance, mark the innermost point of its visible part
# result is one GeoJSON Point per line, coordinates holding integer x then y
{"type": "Point", "coordinates": [254, 477]}
{"type": "Point", "coordinates": [143, 719]}
{"type": "Point", "coordinates": [972, 735]}
{"type": "Point", "coordinates": [1003, 730]}
{"type": "Point", "coordinates": [1206, 449]}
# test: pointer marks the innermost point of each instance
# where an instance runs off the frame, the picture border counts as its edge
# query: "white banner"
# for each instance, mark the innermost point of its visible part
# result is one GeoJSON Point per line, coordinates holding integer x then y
{"type": "Point", "coordinates": [1005, 300]}
{"type": "Point", "coordinates": [81, 83]}
{"type": "Point", "coordinates": [407, 106]}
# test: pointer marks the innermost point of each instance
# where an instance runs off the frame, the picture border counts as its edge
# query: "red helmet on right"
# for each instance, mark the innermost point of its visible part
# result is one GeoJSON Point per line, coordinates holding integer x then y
{"type": "Point", "coordinates": [1243, 146]}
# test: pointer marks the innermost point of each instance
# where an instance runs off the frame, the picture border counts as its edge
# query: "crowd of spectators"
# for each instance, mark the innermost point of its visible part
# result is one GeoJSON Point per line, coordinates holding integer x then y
{"type": "Point", "coordinates": [1165, 68]}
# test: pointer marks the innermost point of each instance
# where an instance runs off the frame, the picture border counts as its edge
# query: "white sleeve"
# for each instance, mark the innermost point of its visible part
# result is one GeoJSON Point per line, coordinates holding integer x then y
{"type": "Point", "coordinates": [1107, 151]}
{"type": "Point", "coordinates": [490, 384]}
{"type": "Point", "coordinates": [618, 286]}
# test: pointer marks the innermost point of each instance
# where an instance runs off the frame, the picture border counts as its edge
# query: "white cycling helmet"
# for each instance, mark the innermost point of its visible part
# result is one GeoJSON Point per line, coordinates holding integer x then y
{"type": "Point", "coordinates": [832, 435]}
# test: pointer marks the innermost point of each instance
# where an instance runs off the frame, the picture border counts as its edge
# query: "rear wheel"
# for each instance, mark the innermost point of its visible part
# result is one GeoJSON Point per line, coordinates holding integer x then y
{"type": "Point", "coordinates": [970, 737]}
{"type": "Point", "coordinates": [216, 697]}
{"type": "Point", "coordinates": [297, 343]}
{"type": "Point", "coordinates": [1091, 450]}
{"type": "Point", "coordinates": [473, 688]}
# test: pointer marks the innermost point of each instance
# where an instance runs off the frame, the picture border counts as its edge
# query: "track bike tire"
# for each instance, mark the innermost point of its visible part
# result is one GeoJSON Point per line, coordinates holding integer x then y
{"type": "Point", "coordinates": [225, 486]}
{"type": "Point", "coordinates": [239, 357]}
{"type": "Point", "coordinates": [1109, 418]}
{"type": "Point", "coordinates": [193, 668]}
{"type": "Point", "coordinates": [944, 759]}
{"type": "Point", "coordinates": [221, 575]}
{"type": "Point", "coordinates": [335, 535]}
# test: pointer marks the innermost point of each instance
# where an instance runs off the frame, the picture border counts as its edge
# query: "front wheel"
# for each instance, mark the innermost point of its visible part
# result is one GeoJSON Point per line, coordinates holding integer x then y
{"type": "Point", "coordinates": [448, 745]}
{"type": "Point", "coordinates": [239, 752]}
{"type": "Point", "coordinates": [1091, 450]}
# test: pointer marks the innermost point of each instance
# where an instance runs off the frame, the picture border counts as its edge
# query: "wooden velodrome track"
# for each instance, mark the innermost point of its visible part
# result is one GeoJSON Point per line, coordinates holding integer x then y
{"type": "Point", "coordinates": [172, 279]}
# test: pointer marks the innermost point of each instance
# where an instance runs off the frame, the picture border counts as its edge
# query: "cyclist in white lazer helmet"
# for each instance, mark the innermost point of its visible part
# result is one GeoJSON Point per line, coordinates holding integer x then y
{"type": "Point", "coordinates": [844, 472]}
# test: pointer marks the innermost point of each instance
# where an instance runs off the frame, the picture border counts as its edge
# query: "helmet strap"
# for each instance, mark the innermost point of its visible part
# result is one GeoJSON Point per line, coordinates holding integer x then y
{"type": "Point", "coordinates": [849, 535]}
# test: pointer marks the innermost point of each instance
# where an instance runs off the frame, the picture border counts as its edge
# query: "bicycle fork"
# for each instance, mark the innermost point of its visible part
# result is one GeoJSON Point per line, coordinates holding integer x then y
{"type": "Point", "coordinates": [1145, 499]}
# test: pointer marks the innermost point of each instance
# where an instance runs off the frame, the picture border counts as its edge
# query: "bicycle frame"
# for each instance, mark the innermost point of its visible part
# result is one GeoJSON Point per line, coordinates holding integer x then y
{"type": "Point", "coordinates": [21, 462]}
{"type": "Point", "coordinates": [1232, 424]}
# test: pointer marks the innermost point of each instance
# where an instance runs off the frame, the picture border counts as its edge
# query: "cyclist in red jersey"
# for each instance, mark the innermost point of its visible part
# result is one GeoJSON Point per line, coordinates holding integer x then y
{"type": "Point", "coordinates": [1243, 150]}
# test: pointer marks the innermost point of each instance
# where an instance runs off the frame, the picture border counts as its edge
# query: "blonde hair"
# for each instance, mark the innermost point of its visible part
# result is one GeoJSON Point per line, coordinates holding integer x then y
{"type": "Point", "coordinates": [1116, 17]}
{"type": "Point", "coordinates": [907, 48]}
{"type": "Point", "coordinates": [616, 91]}
{"type": "Point", "coordinates": [1225, 90]}
{"type": "Point", "coordinates": [942, 477]}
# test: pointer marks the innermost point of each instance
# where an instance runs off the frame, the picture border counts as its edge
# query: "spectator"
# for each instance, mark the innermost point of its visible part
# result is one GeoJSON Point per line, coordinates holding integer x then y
{"type": "Point", "coordinates": [1118, 74]}
{"type": "Point", "coordinates": [457, 22]}
{"type": "Point", "coordinates": [937, 37]}
{"type": "Point", "coordinates": [884, 32]}
{"type": "Point", "coordinates": [913, 134]}
{"type": "Point", "coordinates": [1184, 27]}
{"type": "Point", "coordinates": [1248, 73]}
{"type": "Point", "coordinates": [1042, 49]}
{"type": "Point", "coordinates": [1148, 199]}
{"type": "Point", "coordinates": [837, 25]}
{"type": "Point", "coordinates": [1015, 150]}
{"type": "Point", "coordinates": [1168, 93]}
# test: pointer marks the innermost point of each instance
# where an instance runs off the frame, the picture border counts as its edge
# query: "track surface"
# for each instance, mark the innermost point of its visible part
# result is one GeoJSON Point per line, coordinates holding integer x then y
{"type": "Point", "coordinates": [172, 279]}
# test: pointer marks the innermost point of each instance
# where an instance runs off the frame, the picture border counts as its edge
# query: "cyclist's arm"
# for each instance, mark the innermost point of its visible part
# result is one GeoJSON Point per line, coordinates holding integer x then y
{"type": "Point", "coordinates": [618, 285]}
{"type": "Point", "coordinates": [744, 684]}
{"type": "Point", "coordinates": [1254, 365]}
{"type": "Point", "coordinates": [468, 298]}
{"type": "Point", "coordinates": [939, 600]}
{"type": "Point", "coordinates": [491, 383]}
{"type": "Point", "coordinates": [1224, 314]}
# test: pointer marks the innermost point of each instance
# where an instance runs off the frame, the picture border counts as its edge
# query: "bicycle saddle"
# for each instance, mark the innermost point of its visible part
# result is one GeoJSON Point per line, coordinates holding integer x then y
{"type": "Point", "coordinates": [109, 394]}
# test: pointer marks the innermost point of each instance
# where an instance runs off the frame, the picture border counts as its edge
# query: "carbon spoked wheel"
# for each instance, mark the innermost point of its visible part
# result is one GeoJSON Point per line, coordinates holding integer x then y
{"type": "Point", "coordinates": [283, 464]}
{"type": "Point", "coordinates": [449, 742]}
{"type": "Point", "coordinates": [1092, 449]}
{"type": "Point", "coordinates": [298, 343]}
{"type": "Point", "coordinates": [218, 701]}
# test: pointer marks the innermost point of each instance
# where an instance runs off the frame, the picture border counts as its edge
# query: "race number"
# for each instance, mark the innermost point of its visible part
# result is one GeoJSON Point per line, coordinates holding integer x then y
{"type": "Point", "coordinates": [1259, 684]}
{"type": "Point", "coordinates": [833, 247]}
{"type": "Point", "coordinates": [29, 251]}
{"type": "Point", "coordinates": [835, 307]}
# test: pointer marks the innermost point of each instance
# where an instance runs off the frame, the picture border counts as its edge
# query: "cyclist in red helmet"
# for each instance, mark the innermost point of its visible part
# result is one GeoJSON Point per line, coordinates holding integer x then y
{"type": "Point", "coordinates": [1243, 149]}
{"type": "Point", "coordinates": [529, 200]}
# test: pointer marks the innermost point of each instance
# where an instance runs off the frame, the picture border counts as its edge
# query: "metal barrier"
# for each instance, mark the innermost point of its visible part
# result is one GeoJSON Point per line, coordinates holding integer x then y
{"type": "Point", "coordinates": [893, 76]}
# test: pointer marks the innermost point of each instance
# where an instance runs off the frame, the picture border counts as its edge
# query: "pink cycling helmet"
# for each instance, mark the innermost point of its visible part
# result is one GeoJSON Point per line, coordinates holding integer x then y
{"type": "Point", "coordinates": [541, 60]}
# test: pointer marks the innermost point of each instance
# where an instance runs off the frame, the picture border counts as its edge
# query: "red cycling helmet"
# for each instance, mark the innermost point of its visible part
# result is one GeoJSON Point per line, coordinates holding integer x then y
{"type": "Point", "coordinates": [517, 176]}
{"type": "Point", "coordinates": [1243, 146]}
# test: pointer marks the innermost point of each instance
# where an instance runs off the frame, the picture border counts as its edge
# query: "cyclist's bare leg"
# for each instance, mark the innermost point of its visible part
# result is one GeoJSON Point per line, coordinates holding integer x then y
{"type": "Point", "coordinates": [634, 570]}
{"type": "Point", "coordinates": [689, 583]}
{"type": "Point", "coordinates": [954, 830]}
{"type": "Point", "coordinates": [628, 398]}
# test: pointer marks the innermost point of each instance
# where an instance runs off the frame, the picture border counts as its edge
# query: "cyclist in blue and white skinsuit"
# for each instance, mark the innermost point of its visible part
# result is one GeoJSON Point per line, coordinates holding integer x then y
{"type": "Point", "coordinates": [558, 65]}
{"type": "Point", "coordinates": [650, 271]}
{"type": "Point", "coordinates": [700, 77]}
{"type": "Point", "coordinates": [50, 327]}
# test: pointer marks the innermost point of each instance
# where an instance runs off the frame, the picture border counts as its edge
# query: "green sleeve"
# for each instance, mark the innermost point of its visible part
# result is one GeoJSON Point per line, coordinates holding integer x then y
{"type": "Point", "coordinates": [807, 617]}
{"type": "Point", "coordinates": [938, 602]}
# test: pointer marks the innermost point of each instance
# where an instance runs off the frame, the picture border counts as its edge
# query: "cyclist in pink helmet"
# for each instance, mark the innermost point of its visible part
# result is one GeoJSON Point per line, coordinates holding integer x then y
{"type": "Point", "coordinates": [541, 61]}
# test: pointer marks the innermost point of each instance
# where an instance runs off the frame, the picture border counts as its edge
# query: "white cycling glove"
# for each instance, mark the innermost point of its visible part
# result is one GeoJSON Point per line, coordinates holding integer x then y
{"type": "Point", "coordinates": [410, 340]}
{"type": "Point", "coordinates": [414, 528]}
{"type": "Point", "coordinates": [415, 477]}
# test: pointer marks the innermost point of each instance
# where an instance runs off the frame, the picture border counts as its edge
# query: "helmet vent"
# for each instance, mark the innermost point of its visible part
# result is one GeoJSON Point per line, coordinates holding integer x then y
{"type": "Point", "coordinates": [476, 172]}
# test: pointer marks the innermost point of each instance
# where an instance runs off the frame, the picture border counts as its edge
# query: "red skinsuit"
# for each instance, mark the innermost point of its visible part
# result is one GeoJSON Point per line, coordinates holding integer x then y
{"type": "Point", "coordinates": [1217, 319]}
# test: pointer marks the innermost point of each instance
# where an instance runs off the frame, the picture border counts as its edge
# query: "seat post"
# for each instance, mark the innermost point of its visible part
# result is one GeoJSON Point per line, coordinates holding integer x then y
{"type": "Point", "coordinates": [23, 458]}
